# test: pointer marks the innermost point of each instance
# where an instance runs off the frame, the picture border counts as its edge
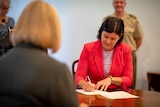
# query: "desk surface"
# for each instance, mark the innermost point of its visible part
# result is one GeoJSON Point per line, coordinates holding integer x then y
{"type": "Point", "coordinates": [146, 99]}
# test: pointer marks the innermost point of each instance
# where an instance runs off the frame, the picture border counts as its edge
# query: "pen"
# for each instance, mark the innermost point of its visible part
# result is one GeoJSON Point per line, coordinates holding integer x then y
{"type": "Point", "coordinates": [88, 79]}
{"type": "Point", "coordinates": [93, 85]}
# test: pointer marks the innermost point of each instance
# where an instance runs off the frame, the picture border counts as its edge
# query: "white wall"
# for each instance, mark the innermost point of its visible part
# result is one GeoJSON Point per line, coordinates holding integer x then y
{"type": "Point", "coordinates": [81, 20]}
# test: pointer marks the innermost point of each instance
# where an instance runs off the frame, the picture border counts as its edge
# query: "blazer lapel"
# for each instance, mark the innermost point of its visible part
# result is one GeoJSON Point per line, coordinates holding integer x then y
{"type": "Point", "coordinates": [117, 60]}
{"type": "Point", "coordinates": [98, 58]}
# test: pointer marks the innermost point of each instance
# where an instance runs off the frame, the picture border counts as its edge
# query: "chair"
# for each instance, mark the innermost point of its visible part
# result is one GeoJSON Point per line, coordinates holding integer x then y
{"type": "Point", "coordinates": [74, 65]}
{"type": "Point", "coordinates": [153, 81]}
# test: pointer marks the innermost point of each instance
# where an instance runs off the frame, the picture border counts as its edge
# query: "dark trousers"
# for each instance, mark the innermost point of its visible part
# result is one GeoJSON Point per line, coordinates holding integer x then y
{"type": "Point", "coordinates": [134, 60]}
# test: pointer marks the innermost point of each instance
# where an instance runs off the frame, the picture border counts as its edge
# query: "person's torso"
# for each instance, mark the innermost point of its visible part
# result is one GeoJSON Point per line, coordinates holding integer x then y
{"type": "Point", "coordinates": [95, 61]}
{"type": "Point", "coordinates": [130, 27]}
{"type": "Point", "coordinates": [5, 27]}
{"type": "Point", "coordinates": [25, 77]}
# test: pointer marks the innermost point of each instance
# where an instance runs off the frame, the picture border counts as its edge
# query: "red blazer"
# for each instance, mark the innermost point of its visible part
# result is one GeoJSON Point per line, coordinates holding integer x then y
{"type": "Point", "coordinates": [91, 64]}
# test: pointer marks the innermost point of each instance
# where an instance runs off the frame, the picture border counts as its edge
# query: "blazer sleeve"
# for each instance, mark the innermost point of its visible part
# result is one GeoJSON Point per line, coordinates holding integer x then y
{"type": "Point", "coordinates": [127, 76]}
{"type": "Point", "coordinates": [82, 68]}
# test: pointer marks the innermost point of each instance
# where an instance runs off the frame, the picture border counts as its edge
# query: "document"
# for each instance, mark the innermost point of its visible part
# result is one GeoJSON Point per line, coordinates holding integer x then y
{"type": "Point", "coordinates": [110, 95]}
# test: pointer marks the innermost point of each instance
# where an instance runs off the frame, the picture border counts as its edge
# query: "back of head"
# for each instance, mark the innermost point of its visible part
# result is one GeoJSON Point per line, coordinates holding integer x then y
{"type": "Point", "coordinates": [112, 25]}
{"type": "Point", "coordinates": [38, 24]}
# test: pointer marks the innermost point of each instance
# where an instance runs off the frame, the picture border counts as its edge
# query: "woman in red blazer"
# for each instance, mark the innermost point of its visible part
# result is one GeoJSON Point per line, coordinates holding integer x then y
{"type": "Point", "coordinates": [106, 64]}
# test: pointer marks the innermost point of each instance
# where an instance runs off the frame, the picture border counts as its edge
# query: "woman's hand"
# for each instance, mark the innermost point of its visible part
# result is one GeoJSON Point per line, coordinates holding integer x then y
{"type": "Point", "coordinates": [103, 84]}
{"type": "Point", "coordinates": [87, 86]}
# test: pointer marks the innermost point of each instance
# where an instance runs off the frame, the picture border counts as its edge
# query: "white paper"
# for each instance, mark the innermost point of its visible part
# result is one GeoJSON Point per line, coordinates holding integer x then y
{"type": "Point", "coordinates": [95, 92]}
{"type": "Point", "coordinates": [110, 95]}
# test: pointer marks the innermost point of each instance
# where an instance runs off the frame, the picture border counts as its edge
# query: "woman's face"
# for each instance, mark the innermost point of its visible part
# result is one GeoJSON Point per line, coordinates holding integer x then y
{"type": "Point", "coordinates": [4, 7]}
{"type": "Point", "coordinates": [109, 40]}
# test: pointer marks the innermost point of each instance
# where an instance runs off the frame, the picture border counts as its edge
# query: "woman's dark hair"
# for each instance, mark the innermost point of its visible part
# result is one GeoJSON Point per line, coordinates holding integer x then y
{"type": "Point", "coordinates": [112, 25]}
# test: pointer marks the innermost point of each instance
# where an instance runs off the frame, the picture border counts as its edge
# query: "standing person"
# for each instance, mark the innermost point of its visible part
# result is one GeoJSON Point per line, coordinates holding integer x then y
{"type": "Point", "coordinates": [29, 77]}
{"type": "Point", "coordinates": [106, 61]}
{"type": "Point", "coordinates": [6, 24]}
{"type": "Point", "coordinates": [132, 32]}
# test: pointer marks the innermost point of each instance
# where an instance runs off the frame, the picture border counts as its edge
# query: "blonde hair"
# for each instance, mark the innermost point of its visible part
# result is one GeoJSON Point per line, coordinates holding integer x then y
{"type": "Point", "coordinates": [38, 24]}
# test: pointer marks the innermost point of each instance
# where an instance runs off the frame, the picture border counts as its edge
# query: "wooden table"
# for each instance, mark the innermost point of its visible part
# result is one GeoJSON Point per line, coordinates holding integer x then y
{"type": "Point", "coordinates": [146, 99]}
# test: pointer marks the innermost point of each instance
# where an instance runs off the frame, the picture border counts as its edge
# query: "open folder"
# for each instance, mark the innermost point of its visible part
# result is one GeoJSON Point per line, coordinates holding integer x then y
{"type": "Point", "coordinates": [110, 95]}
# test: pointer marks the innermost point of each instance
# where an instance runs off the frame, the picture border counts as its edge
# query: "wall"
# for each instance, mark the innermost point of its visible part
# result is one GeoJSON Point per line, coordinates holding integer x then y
{"type": "Point", "coordinates": [81, 19]}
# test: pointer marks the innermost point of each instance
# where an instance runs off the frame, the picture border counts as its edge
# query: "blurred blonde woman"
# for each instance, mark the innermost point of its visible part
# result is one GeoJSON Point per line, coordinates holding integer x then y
{"type": "Point", "coordinates": [29, 76]}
